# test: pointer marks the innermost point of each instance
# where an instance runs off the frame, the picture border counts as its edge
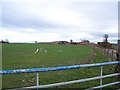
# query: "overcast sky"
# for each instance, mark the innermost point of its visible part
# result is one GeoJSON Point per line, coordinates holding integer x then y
{"type": "Point", "coordinates": [53, 20]}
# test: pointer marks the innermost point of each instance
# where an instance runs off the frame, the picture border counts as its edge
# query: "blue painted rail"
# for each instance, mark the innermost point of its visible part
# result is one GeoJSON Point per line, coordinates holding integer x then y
{"type": "Point", "coordinates": [56, 68]}
{"type": "Point", "coordinates": [37, 70]}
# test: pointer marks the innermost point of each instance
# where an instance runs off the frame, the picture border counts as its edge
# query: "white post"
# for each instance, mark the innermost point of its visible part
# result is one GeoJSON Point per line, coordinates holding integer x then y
{"type": "Point", "coordinates": [37, 79]}
{"type": "Point", "coordinates": [101, 73]}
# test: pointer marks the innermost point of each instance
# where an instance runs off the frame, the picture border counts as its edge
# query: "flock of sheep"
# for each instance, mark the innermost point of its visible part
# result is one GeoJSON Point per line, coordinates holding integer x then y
{"type": "Point", "coordinates": [44, 50]}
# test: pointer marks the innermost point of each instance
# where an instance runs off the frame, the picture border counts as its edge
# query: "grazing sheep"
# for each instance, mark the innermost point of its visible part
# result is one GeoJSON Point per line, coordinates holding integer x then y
{"type": "Point", "coordinates": [45, 51]}
{"type": "Point", "coordinates": [60, 51]}
{"type": "Point", "coordinates": [36, 50]}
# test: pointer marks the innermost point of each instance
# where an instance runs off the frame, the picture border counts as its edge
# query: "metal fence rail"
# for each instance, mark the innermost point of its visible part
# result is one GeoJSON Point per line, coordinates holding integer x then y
{"type": "Point", "coordinates": [36, 70]}
{"type": "Point", "coordinates": [56, 68]}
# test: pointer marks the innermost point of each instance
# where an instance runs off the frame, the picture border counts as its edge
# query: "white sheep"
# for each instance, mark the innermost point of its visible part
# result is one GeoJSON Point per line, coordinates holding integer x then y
{"type": "Point", "coordinates": [60, 51]}
{"type": "Point", "coordinates": [36, 50]}
{"type": "Point", "coordinates": [45, 51]}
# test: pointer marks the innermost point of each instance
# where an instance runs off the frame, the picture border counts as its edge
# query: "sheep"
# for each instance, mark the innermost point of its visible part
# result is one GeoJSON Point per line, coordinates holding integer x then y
{"type": "Point", "coordinates": [36, 51]}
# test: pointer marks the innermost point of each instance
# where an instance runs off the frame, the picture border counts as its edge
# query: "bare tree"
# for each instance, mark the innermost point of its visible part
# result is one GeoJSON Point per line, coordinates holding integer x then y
{"type": "Point", "coordinates": [6, 40]}
{"type": "Point", "coordinates": [105, 38]}
{"type": "Point", "coordinates": [35, 41]}
{"type": "Point", "coordinates": [71, 41]}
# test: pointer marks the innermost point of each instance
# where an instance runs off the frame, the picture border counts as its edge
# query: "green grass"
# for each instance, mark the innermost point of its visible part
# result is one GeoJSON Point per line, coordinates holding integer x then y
{"type": "Point", "coordinates": [19, 56]}
{"type": "Point", "coordinates": [23, 54]}
{"type": "Point", "coordinates": [114, 46]}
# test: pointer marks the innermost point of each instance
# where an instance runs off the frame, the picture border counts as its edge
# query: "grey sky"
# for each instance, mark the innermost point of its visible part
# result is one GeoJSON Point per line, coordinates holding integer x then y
{"type": "Point", "coordinates": [52, 20]}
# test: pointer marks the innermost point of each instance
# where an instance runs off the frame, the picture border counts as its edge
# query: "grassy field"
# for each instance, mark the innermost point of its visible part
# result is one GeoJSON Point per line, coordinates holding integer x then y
{"type": "Point", "coordinates": [55, 55]}
{"type": "Point", "coordinates": [21, 56]}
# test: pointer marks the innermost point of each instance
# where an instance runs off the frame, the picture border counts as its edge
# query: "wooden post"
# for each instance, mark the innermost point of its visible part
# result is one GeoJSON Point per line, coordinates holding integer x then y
{"type": "Point", "coordinates": [0, 65]}
{"type": "Point", "coordinates": [118, 54]}
{"type": "Point", "coordinates": [112, 55]}
{"type": "Point", "coordinates": [107, 52]}
{"type": "Point", "coordinates": [118, 58]}
{"type": "Point", "coordinates": [117, 69]}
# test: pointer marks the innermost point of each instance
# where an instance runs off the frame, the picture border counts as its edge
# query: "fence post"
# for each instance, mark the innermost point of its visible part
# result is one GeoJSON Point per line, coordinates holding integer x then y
{"type": "Point", "coordinates": [112, 55]}
{"type": "Point", "coordinates": [0, 66]}
{"type": "Point", "coordinates": [37, 79]}
{"type": "Point", "coordinates": [101, 73]}
{"type": "Point", "coordinates": [118, 58]}
{"type": "Point", "coordinates": [107, 52]}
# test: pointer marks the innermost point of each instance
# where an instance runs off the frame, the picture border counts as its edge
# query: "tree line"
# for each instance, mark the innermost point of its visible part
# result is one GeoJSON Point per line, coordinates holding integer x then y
{"type": "Point", "coordinates": [4, 41]}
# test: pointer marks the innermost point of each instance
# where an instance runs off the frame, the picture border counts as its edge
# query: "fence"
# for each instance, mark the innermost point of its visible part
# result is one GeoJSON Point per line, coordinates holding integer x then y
{"type": "Point", "coordinates": [111, 53]}
{"type": "Point", "coordinates": [36, 70]}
